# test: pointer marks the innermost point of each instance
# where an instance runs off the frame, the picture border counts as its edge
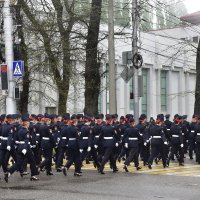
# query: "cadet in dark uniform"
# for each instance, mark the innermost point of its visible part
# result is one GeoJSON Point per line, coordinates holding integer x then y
{"type": "Point", "coordinates": [110, 140]}
{"type": "Point", "coordinates": [98, 145]}
{"type": "Point", "coordinates": [85, 139]}
{"type": "Point", "coordinates": [185, 129]}
{"type": "Point", "coordinates": [177, 140]}
{"type": "Point", "coordinates": [72, 134]}
{"type": "Point", "coordinates": [143, 150]}
{"type": "Point", "coordinates": [6, 132]}
{"type": "Point", "coordinates": [132, 139]}
{"type": "Point", "coordinates": [12, 129]}
{"type": "Point", "coordinates": [158, 140]}
{"type": "Point", "coordinates": [47, 144]}
{"type": "Point", "coordinates": [192, 136]}
{"type": "Point", "coordinates": [23, 152]}
{"type": "Point", "coordinates": [197, 139]}
{"type": "Point", "coordinates": [63, 144]}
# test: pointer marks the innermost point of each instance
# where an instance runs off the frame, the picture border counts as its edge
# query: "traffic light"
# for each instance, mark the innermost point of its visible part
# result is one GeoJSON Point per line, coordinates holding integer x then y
{"type": "Point", "coordinates": [4, 77]}
{"type": "Point", "coordinates": [17, 51]}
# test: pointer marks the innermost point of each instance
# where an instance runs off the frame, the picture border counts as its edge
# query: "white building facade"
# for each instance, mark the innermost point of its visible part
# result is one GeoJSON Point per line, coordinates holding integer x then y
{"type": "Point", "coordinates": [168, 73]}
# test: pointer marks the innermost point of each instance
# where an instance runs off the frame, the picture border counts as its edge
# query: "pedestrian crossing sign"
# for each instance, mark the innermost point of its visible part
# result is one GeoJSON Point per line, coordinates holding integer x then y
{"type": "Point", "coordinates": [18, 68]}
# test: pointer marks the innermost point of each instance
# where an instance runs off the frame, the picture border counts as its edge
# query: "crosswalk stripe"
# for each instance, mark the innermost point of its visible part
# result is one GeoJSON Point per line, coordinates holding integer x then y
{"type": "Point", "coordinates": [174, 169]}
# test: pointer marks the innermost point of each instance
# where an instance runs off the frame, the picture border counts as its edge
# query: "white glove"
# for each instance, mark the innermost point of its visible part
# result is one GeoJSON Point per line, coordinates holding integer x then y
{"type": "Point", "coordinates": [8, 148]}
{"type": "Point", "coordinates": [116, 144]}
{"type": "Point", "coordinates": [81, 150]}
{"type": "Point", "coordinates": [33, 146]}
{"type": "Point", "coordinates": [89, 149]}
{"type": "Point", "coordinates": [165, 142]}
{"type": "Point", "coordinates": [181, 145]}
{"type": "Point", "coordinates": [24, 151]}
{"type": "Point", "coordinates": [145, 144]}
{"type": "Point", "coordinates": [126, 145]}
{"type": "Point", "coordinates": [95, 146]}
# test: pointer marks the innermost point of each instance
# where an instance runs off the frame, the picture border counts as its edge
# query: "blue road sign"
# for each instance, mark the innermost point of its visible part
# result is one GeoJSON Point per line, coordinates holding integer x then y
{"type": "Point", "coordinates": [18, 68]}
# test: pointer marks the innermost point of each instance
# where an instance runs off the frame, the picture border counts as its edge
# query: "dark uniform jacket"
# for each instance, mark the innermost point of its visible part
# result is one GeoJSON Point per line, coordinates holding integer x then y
{"type": "Point", "coordinates": [132, 137]}
{"type": "Point", "coordinates": [47, 140]}
{"type": "Point", "coordinates": [176, 134]}
{"type": "Point", "coordinates": [109, 136]}
{"type": "Point", "coordinates": [157, 135]}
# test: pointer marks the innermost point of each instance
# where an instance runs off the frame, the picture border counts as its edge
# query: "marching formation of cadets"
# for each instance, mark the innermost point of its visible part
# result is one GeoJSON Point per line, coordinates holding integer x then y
{"type": "Point", "coordinates": [39, 139]}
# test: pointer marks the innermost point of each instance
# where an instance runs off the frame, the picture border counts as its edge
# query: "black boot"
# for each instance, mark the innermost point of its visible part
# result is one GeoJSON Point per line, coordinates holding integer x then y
{"type": "Point", "coordinates": [125, 168]}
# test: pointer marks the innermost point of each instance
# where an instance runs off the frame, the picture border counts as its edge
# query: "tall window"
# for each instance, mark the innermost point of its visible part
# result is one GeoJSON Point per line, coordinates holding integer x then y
{"type": "Point", "coordinates": [144, 98]}
{"type": "Point", "coordinates": [163, 85]}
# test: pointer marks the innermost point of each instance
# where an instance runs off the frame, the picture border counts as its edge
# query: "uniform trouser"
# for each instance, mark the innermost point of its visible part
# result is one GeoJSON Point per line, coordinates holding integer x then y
{"type": "Point", "coordinates": [185, 142]}
{"type": "Point", "coordinates": [176, 149]}
{"type": "Point", "coordinates": [20, 162]}
{"type": "Point", "coordinates": [108, 155]}
{"type": "Point", "coordinates": [191, 147]}
{"type": "Point", "coordinates": [133, 155]}
{"type": "Point", "coordinates": [56, 155]}
{"type": "Point", "coordinates": [100, 152]}
{"type": "Point", "coordinates": [146, 153]}
{"type": "Point", "coordinates": [198, 152]}
{"type": "Point", "coordinates": [141, 150]}
{"type": "Point", "coordinates": [84, 154]}
{"type": "Point", "coordinates": [74, 157]}
{"type": "Point", "coordinates": [47, 159]}
{"type": "Point", "coordinates": [94, 155]}
{"type": "Point", "coordinates": [61, 156]}
{"type": "Point", "coordinates": [155, 150]}
{"type": "Point", "coordinates": [11, 153]}
{"type": "Point", "coordinates": [122, 152]}
{"type": "Point", "coordinates": [37, 155]}
{"type": "Point", "coordinates": [3, 162]}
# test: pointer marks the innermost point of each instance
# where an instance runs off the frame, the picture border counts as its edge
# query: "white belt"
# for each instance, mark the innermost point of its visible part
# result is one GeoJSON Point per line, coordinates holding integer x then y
{"type": "Point", "coordinates": [168, 129]}
{"type": "Point", "coordinates": [21, 142]}
{"type": "Point", "coordinates": [198, 133]}
{"type": "Point", "coordinates": [157, 137]}
{"type": "Point", "coordinates": [133, 138]}
{"type": "Point", "coordinates": [175, 135]}
{"type": "Point", "coordinates": [97, 136]}
{"type": "Point", "coordinates": [85, 138]}
{"type": "Point", "coordinates": [64, 138]}
{"type": "Point", "coordinates": [108, 138]}
{"type": "Point", "coordinates": [46, 138]}
{"type": "Point", "coordinates": [4, 138]}
{"type": "Point", "coordinates": [37, 134]}
{"type": "Point", "coordinates": [192, 131]}
{"type": "Point", "coordinates": [72, 139]}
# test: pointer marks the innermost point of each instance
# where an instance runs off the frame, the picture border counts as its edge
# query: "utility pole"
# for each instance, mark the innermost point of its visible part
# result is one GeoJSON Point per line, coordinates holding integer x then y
{"type": "Point", "coordinates": [135, 25]}
{"type": "Point", "coordinates": [111, 56]}
{"type": "Point", "coordinates": [8, 34]}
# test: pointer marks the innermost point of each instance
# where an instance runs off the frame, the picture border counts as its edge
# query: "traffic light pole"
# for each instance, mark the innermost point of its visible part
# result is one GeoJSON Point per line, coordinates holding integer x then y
{"type": "Point", "coordinates": [8, 37]}
{"type": "Point", "coordinates": [135, 22]}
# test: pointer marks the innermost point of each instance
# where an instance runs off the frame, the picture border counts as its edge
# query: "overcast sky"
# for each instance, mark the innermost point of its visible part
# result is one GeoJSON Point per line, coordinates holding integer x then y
{"type": "Point", "coordinates": [192, 5]}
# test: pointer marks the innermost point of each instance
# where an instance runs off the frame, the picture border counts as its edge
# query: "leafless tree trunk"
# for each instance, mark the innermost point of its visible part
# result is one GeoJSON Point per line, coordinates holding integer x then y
{"type": "Point", "coordinates": [92, 74]}
{"type": "Point", "coordinates": [197, 92]}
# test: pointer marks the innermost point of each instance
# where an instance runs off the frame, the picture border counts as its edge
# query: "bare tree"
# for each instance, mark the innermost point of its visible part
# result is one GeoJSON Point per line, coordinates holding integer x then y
{"type": "Point", "coordinates": [60, 17]}
{"type": "Point", "coordinates": [92, 68]}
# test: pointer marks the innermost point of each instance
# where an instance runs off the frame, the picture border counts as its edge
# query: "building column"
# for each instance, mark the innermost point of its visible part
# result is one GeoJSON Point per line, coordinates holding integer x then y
{"type": "Point", "coordinates": [151, 93]}
{"type": "Point", "coordinates": [158, 93]}
{"type": "Point", "coordinates": [181, 95]}
{"type": "Point", "coordinates": [169, 92]}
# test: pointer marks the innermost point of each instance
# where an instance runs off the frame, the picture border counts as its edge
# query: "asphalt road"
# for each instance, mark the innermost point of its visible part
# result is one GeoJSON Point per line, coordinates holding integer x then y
{"type": "Point", "coordinates": [101, 187]}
